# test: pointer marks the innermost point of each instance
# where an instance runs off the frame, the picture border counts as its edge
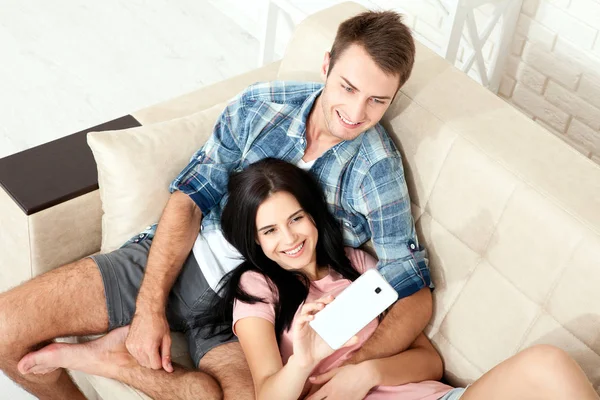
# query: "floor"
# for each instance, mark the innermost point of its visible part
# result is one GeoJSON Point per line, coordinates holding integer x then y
{"type": "Point", "coordinates": [67, 67]}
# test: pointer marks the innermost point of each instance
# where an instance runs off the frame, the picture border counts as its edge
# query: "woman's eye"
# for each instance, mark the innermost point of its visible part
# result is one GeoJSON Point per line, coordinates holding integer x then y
{"type": "Point", "coordinates": [268, 231]}
{"type": "Point", "coordinates": [298, 218]}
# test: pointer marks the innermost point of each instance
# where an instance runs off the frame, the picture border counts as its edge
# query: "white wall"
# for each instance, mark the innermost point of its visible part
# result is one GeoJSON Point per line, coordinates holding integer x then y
{"type": "Point", "coordinates": [553, 73]}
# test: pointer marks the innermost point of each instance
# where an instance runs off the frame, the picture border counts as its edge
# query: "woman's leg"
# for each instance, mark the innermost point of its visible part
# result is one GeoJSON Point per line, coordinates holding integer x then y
{"type": "Point", "coordinates": [540, 372]}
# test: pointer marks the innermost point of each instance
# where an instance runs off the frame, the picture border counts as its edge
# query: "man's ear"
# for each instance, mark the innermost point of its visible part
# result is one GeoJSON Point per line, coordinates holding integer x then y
{"type": "Point", "coordinates": [325, 66]}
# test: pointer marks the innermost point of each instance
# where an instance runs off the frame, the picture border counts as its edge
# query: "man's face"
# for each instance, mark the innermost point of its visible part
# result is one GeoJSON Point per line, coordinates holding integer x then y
{"type": "Point", "coordinates": [357, 93]}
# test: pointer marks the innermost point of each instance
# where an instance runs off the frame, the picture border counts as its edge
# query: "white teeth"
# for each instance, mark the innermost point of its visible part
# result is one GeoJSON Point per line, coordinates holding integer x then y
{"type": "Point", "coordinates": [296, 250]}
{"type": "Point", "coordinates": [347, 121]}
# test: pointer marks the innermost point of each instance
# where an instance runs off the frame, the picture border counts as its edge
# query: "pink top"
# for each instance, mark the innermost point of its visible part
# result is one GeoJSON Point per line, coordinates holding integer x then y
{"type": "Point", "coordinates": [333, 284]}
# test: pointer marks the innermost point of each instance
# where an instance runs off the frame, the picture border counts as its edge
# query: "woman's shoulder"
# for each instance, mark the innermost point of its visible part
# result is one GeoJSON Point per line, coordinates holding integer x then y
{"type": "Point", "coordinates": [254, 284]}
{"type": "Point", "coordinates": [360, 259]}
{"type": "Point", "coordinates": [253, 276]}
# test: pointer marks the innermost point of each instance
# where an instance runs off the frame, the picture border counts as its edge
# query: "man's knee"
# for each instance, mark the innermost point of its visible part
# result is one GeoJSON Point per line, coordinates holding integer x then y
{"type": "Point", "coordinates": [228, 365]}
{"type": "Point", "coordinates": [32, 311]}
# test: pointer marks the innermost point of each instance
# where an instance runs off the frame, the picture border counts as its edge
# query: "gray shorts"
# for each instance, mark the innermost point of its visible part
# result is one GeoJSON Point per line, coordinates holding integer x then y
{"type": "Point", "coordinates": [122, 272]}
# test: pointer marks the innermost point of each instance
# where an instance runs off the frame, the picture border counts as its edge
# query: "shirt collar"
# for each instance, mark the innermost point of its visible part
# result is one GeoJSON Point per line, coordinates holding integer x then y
{"type": "Point", "coordinates": [297, 128]}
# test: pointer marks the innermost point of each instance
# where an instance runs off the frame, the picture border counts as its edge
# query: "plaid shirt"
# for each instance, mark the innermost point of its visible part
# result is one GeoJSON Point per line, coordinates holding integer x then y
{"type": "Point", "coordinates": [363, 179]}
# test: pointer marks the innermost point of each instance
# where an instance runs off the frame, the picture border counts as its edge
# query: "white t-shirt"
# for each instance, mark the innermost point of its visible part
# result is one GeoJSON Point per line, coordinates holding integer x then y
{"type": "Point", "coordinates": [215, 255]}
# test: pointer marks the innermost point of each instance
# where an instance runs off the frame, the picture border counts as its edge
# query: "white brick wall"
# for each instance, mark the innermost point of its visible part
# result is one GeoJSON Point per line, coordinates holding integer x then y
{"type": "Point", "coordinates": [540, 108]}
{"type": "Point", "coordinates": [553, 73]}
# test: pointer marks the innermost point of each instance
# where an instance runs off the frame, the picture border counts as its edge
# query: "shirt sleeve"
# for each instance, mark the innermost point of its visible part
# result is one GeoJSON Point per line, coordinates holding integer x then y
{"type": "Point", "coordinates": [205, 178]}
{"type": "Point", "coordinates": [385, 203]}
{"type": "Point", "coordinates": [255, 284]}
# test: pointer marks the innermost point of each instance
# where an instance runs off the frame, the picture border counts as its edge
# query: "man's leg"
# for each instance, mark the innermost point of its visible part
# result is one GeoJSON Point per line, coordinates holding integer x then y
{"type": "Point", "coordinates": [108, 357]}
{"type": "Point", "coordinates": [227, 363]}
{"type": "Point", "coordinates": [66, 301]}
{"type": "Point", "coordinates": [123, 273]}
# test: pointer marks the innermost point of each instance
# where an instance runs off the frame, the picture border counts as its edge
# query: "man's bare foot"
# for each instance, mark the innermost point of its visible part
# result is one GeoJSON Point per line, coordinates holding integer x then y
{"type": "Point", "coordinates": [98, 357]}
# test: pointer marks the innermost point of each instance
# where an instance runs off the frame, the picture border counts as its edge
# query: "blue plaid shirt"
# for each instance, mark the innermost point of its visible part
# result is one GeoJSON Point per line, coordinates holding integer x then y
{"type": "Point", "coordinates": [363, 179]}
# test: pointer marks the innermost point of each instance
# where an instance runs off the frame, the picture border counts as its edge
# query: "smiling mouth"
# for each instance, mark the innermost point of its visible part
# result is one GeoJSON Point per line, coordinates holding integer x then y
{"type": "Point", "coordinates": [295, 250]}
{"type": "Point", "coordinates": [347, 121]}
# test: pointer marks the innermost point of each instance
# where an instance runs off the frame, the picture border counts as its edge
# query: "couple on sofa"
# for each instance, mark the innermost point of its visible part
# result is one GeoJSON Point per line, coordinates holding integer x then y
{"type": "Point", "coordinates": [296, 232]}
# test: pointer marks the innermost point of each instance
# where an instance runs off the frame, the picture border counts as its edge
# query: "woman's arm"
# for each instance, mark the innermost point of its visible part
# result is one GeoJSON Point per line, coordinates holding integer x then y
{"type": "Point", "coordinates": [272, 380]}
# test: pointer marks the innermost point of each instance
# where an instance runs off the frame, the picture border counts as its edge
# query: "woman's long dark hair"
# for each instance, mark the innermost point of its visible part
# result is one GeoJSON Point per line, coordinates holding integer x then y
{"type": "Point", "coordinates": [247, 191]}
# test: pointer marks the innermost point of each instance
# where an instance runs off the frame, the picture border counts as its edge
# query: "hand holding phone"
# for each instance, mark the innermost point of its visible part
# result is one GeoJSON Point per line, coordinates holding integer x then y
{"type": "Point", "coordinates": [309, 347]}
{"type": "Point", "coordinates": [360, 303]}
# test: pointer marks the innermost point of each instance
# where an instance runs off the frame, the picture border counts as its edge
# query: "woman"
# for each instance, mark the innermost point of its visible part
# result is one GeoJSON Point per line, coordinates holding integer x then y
{"type": "Point", "coordinates": [295, 264]}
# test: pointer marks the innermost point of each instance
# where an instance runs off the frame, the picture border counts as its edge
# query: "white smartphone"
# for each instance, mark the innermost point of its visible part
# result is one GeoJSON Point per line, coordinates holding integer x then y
{"type": "Point", "coordinates": [360, 303]}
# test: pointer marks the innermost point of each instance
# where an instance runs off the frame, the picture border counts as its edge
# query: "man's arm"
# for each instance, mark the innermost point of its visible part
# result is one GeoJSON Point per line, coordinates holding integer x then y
{"type": "Point", "coordinates": [198, 188]}
{"type": "Point", "coordinates": [175, 235]}
{"type": "Point", "coordinates": [421, 362]}
{"type": "Point", "coordinates": [385, 202]}
{"type": "Point", "coordinates": [400, 327]}
{"type": "Point", "coordinates": [149, 339]}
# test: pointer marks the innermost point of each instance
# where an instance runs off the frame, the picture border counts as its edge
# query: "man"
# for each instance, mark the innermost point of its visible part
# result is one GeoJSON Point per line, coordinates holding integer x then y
{"type": "Point", "coordinates": [163, 281]}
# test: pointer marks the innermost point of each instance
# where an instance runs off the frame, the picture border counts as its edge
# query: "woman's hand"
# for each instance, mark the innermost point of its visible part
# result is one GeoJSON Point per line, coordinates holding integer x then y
{"type": "Point", "coordinates": [309, 347]}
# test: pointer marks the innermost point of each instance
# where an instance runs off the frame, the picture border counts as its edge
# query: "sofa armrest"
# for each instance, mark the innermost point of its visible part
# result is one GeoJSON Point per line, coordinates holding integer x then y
{"type": "Point", "coordinates": [50, 209]}
{"type": "Point", "coordinates": [33, 244]}
{"type": "Point", "coordinates": [14, 243]}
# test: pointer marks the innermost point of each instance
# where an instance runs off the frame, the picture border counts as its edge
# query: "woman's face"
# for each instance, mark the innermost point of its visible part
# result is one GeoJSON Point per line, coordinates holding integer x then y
{"type": "Point", "coordinates": [286, 233]}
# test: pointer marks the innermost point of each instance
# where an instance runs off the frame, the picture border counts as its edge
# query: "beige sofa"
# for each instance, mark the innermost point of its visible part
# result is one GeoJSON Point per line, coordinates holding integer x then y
{"type": "Point", "coordinates": [510, 215]}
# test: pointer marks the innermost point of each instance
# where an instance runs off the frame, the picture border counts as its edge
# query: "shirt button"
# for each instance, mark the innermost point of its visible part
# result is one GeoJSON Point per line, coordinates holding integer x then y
{"type": "Point", "coordinates": [412, 245]}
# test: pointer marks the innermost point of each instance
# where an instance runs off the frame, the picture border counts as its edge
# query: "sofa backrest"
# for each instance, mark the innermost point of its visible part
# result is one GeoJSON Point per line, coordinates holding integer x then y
{"type": "Point", "coordinates": [509, 213]}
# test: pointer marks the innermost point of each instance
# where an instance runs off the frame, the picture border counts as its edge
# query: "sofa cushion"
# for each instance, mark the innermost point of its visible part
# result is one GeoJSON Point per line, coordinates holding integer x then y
{"type": "Point", "coordinates": [136, 166]}
{"type": "Point", "coordinates": [305, 51]}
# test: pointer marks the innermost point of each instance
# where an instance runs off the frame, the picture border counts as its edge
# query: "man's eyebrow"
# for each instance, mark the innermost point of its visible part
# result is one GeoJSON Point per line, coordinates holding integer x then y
{"type": "Point", "coordinates": [290, 217]}
{"type": "Point", "coordinates": [355, 88]}
{"type": "Point", "coordinates": [350, 84]}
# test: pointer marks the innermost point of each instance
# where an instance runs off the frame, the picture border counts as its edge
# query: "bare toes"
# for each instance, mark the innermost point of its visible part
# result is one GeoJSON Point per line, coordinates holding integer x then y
{"type": "Point", "coordinates": [42, 361]}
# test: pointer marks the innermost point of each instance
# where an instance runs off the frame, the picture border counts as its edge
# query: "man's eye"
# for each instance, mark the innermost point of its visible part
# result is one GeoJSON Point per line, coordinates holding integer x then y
{"type": "Point", "coordinates": [347, 88]}
{"type": "Point", "coordinates": [377, 101]}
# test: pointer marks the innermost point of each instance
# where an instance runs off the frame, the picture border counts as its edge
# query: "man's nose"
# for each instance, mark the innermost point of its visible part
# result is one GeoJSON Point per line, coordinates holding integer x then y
{"type": "Point", "coordinates": [357, 111]}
